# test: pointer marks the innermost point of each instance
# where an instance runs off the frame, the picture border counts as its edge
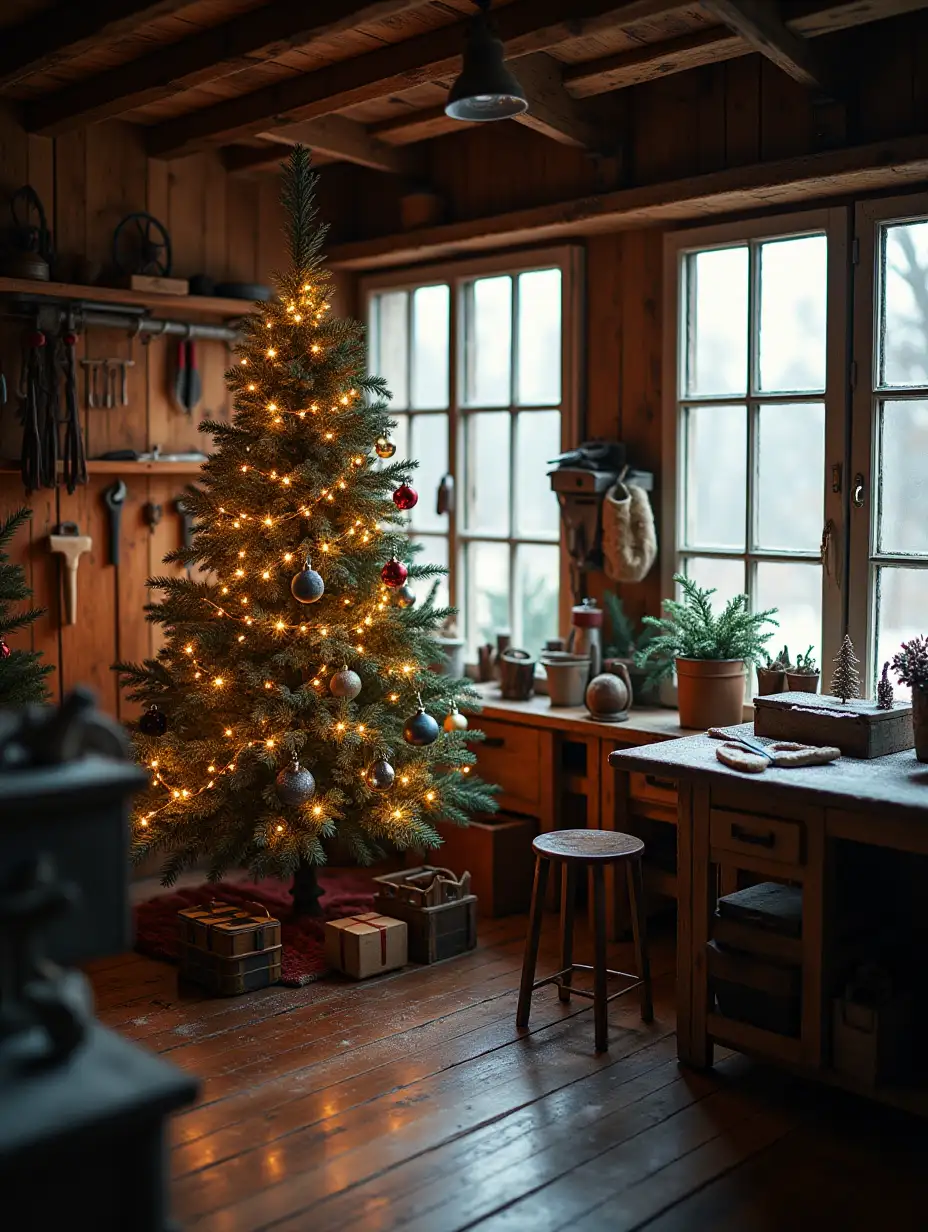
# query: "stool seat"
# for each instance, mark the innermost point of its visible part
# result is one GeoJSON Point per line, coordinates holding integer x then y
{"type": "Point", "coordinates": [587, 846]}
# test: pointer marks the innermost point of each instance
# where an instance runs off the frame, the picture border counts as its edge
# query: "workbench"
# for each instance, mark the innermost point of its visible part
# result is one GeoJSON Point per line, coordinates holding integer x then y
{"type": "Point", "coordinates": [788, 826]}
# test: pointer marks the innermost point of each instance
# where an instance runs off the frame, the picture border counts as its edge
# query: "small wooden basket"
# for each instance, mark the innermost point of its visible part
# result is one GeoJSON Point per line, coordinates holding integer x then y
{"type": "Point", "coordinates": [438, 908]}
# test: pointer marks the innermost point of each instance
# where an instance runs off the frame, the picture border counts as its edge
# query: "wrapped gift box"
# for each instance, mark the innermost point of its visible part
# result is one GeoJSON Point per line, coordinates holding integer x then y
{"type": "Point", "coordinates": [366, 944]}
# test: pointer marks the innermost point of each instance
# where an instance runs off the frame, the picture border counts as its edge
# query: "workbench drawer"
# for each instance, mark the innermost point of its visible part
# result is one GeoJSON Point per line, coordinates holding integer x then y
{"type": "Point", "coordinates": [652, 789]}
{"type": "Point", "coordinates": [771, 838]}
{"type": "Point", "coordinates": [511, 756]}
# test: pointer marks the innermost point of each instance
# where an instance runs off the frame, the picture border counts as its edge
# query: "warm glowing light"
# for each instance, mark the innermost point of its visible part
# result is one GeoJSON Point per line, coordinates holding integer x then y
{"type": "Point", "coordinates": [154, 764]}
{"type": "Point", "coordinates": [241, 637]}
{"type": "Point", "coordinates": [339, 727]}
{"type": "Point", "coordinates": [345, 400]}
{"type": "Point", "coordinates": [361, 729]}
{"type": "Point", "coordinates": [397, 813]}
{"type": "Point", "coordinates": [394, 697]}
{"type": "Point", "coordinates": [272, 406]}
{"type": "Point", "coordinates": [265, 575]}
{"type": "Point", "coordinates": [188, 650]}
{"type": "Point", "coordinates": [286, 483]}
{"type": "Point", "coordinates": [317, 683]}
{"type": "Point", "coordinates": [228, 731]}
{"type": "Point", "coordinates": [241, 554]}
{"type": "Point", "coordinates": [268, 521]}
{"type": "Point", "coordinates": [225, 590]}
{"type": "Point", "coordinates": [280, 625]}
{"type": "Point", "coordinates": [298, 317]}
{"type": "Point", "coordinates": [185, 793]}
{"type": "Point", "coordinates": [243, 362]}
{"type": "Point", "coordinates": [317, 810]}
{"type": "Point", "coordinates": [269, 744]}
{"type": "Point", "coordinates": [197, 675]}
{"type": "Point", "coordinates": [325, 547]}
{"type": "Point", "coordinates": [329, 436]}
{"type": "Point", "coordinates": [268, 684]}
{"type": "Point", "coordinates": [430, 796]}
{"type": "Point", "coordinates": [288, 556]}
{"type": "Point", "coordinates": [218, 682]}
{"type": "Point", "coordinates": [251, 389]}
{"type": "Point", "coordinates": [244, 469]}
{"type": "Point", "coordinates": [465, 769]}
{"type": "Point", "coordinates": [271, 352]}
{"type": "Point", "coordinates": [303, 628]}
{"type": "Point", "coordinates": [315, 348]}
{"type": "Point", "coordinates": [176, 794]}
{"type": "Point", "coordinates": [407, 668]}
{"type": "Point", "coordinates": [244, 600]}
{"type": "Point", "coordinates": [210, 769]}
{"type": "Point", "coordinates": [239, 572]}
{"type": "Point", "coordinates": [144, 821]}
{"type": "Point", "coordinates": [280, 829]}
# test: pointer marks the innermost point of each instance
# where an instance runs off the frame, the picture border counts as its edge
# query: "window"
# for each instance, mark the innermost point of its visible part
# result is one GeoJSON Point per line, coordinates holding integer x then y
{"type": "Point", "coordinates": [479, 359]}
{"type": "Point", "coordinates": [889, 496]}
{"type": "Point", "coordinates": [756, 414]}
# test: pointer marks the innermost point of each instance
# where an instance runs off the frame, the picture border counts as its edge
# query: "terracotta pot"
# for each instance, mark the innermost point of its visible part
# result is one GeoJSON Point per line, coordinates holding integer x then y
{"type": "Point", "coordinates": [801, 682]}
{"type": "Point", "coordinates": [769, 681]}
{"type": "Point", "coordinates": [920, 722]}
{"type": "Point", "coordinates": [710, 692]}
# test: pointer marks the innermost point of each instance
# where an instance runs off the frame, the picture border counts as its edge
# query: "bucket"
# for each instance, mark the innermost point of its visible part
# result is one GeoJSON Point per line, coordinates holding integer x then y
{"type": "Point", "coordinates": [568, 675]}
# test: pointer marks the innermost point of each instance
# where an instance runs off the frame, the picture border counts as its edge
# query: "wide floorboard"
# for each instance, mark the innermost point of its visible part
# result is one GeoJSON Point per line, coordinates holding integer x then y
{"type": "Point", "coordinates": [410, 1102]}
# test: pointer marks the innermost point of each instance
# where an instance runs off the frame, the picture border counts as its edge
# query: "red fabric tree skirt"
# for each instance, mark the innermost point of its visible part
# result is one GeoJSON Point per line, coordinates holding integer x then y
{"type": "Point", "coordinates": [344, 893]}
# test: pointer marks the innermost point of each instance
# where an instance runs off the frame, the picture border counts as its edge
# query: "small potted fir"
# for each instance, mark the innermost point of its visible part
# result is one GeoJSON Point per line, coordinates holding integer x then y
{"type": "Point", "coordinates": [803, 676]}
{"type": "Point", "coordinates": [709, 653]}
{"type": "Point", "coordinates": [624, 643]}
{"type": "Point", "coordinates": [771, 674]}
{"type": "Point", "coordinates": [910, 663]}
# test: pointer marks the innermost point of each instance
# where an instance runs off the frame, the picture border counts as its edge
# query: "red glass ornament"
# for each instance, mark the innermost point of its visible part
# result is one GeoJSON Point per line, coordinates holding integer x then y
{"type": "Point", "coordinates": [394, 573]}
{"type": "Point", "coordinates": [405, 497]}
{"type": "Point", "coordinates": [70, 340]}
{"type": "Point", "coordinates": [5, 651]}
{"type": "Point", "coordinates": [36, 339]}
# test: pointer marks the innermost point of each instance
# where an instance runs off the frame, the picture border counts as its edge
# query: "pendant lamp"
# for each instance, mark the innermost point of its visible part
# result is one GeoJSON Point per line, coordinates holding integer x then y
{"type": "Point", "coordinates": [485, 90]}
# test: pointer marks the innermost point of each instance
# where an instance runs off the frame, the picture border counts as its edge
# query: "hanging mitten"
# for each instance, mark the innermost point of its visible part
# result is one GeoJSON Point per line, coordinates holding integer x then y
{"type": "Point", "coordinates": [629, 536]}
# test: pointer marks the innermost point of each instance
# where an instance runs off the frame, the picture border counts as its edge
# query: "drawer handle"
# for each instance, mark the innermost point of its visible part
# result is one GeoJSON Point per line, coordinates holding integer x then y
{"type": "Point", "coordinates": [493, 742]}
{"type": "Point", "coordinates": [663, 784]}
{"type": "Point", "coordinates": [756, 840]}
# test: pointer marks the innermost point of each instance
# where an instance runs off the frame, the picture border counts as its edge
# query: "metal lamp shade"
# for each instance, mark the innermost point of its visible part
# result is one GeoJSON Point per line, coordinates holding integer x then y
{"type": "Point", "coordinates": [485, 90]}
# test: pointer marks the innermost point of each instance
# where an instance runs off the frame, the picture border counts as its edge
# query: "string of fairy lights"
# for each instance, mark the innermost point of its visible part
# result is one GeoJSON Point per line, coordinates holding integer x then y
{"type": "Point", "coordinates": [180, 796]}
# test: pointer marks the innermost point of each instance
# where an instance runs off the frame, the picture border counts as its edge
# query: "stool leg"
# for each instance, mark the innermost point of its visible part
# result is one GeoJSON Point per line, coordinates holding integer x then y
{"type": "Point", "coordinates": [640, 933]}
{"type": "Point", "coordinates": [531, 942]}
{"type": "Point", "coordinates": [600, 1005]}
{"type": "Point", "coordinates": [568, 905]}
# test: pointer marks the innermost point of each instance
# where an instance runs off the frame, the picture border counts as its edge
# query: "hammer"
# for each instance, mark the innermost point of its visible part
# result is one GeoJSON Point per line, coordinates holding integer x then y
{"type": "Point", "coordinates": [71, 544]}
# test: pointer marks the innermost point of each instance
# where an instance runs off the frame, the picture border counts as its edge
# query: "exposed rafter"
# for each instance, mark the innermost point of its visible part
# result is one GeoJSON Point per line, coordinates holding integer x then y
{"type": "Point", "coordinates": [350, 142]}
{"type": "Point", "coordinates": [219, 51]}
{"type": "Point", "coordinates": [759, 23]}
{"type": "Point", "coordinates": [551, 110]}
{"type": "Point", "coordinates": [52, 38]}
{"type": "Point", "coordinates": [525, 26]}
{"type": "Point", "coordinates": [416, 126]}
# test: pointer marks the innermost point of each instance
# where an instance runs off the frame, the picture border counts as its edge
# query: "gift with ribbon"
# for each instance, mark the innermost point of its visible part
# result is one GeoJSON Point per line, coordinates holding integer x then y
{"type": "Point", "coordinates": [366, 944]}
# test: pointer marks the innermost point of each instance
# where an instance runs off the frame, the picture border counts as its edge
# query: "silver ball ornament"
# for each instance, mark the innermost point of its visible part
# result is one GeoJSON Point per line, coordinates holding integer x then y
{"type": "Point", "coordinates": [420, 728]}
{"type": "Point", "coordinates": [455, 721]}
{"type": "Point", "coordinates": [405, 596]}
{"type": "Point", "coordinates": [345, 683]}
{"type": "Point", "coordinates": [380, 775]}
{"type": "Point", "coordinates": [295, 785]}
{"type": "Point", "coordinates": [307, 585]}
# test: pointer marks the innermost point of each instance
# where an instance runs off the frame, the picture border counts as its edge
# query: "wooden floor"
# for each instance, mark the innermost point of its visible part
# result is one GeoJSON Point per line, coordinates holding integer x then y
{"type": "Point", "coordinates": [410, 1102]}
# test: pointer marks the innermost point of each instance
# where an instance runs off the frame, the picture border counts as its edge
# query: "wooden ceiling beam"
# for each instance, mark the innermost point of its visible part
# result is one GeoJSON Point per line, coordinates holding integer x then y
{"type": "Point", "coordinates": [52, 38]}
{"type": "Point", "coordinates": [808, 19]}
{"type": "Point", "coordinates": [759, 23]}
{"type": "Point", "coordinates": [413, 126]}
{"type": "Point", "coordinates": [218, 51]}
{"type": "Point", "coordinates": [551, 110]}
{"type": "Point", "coordinates": [524, 26]}
{"type": "Point", "coordinates": [347, 141]}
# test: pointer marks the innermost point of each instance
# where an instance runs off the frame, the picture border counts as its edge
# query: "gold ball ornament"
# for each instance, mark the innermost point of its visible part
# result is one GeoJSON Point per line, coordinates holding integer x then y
{"type": "Point", "coordinates": [455, 721]}
{"type": "Point", "coordinates": [384, 447]}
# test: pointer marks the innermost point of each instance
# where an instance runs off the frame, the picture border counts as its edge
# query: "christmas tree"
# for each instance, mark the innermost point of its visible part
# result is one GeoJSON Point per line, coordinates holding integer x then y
{"type": "Point", "coordinates": [22, 674]}
{"type": "Point", "coordinates": [292, 700]}
{"type": "Point", "coordinates": [845, 681]}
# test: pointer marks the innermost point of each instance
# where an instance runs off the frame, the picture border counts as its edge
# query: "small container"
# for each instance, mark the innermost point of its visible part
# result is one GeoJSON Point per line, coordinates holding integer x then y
{"type": "Point", "coordinates": [770, 680]}
{"type": "Point", "coordinates": [516, 675]}
{"type": "Point", "coordinates": [568, 675]}
{"type": "Point", "coordinates": [802, 682]}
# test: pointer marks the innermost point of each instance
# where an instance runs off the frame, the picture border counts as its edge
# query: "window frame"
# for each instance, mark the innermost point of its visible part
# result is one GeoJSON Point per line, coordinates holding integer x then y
{"type": "Point", "coordinates": [870, 217]}
{"type": "Point", "coordinates": [677, 245]}
{"type": "Point", "coordinates": [569, 258]}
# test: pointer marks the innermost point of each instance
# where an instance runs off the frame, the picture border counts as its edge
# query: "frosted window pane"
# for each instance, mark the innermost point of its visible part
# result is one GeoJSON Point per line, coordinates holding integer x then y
{"type": "Point", "coordinates": [902, 606]}
{"type": "Point", "coordinates": [537, 582]}
{"type": "Point", "coordinates": [391, 358]}
{"type": "Point", "coordinates": [538, 439]}
{"type": "Point", "coordinates": [430, 322]}
{"type": "Point", "coordinates": [488, 342]}
{"type": "Point", "coordinates": [796, 590]}
{"type": "Point", "coordinates": [904, 310]}
{"type": "Point", "coordinates": [487, 484]}
{"type": "Point", "coordinates": [716, 354]}
{"type": "Point", "coordinates": [791, 466]}
{"type": "Point", "coordinates": [716, 476]}
{"type": "Point", "coordinates": [487, 592]}
{"type": "Point", "coordinates": [539, 381]}
{"type": "Point", "coordinates": [434, 552]}
{"type": "Point", "coordinates": [429, 447]}
{"type": "Point", "coordinates": [726, 577]}
{"type": "Point", "coordinates": [793, 294]}
{"type": "Point", "coordinates": [903, 525]}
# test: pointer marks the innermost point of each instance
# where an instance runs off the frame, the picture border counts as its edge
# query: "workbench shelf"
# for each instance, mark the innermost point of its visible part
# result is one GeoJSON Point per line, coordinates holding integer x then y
{"type": "Point", "coordinates": [192, 305]}
{"type": "Point", "coordinates": [107, 466]}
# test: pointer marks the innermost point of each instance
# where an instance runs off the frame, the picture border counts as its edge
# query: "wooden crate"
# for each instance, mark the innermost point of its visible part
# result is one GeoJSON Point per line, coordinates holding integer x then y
{"type": "Point", "coordinates": [498, 853]}
{"type": "Point", "coordinates": [437, 929]}
{"type": "Point", "coordinates": [228, 930]}
{"type": "Point", "coordinates": [856, 727]}
{"type": "Point", "coordinates": [764, 994]}
{"type": "Point", "coordinates": [230, 976]}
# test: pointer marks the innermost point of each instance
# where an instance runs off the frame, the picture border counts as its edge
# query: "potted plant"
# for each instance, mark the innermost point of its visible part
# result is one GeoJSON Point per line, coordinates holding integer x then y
{"type": "Point", "coordinates": [910, 663]}
{"type": "Point", "coordinates": [803, 677]}
{"type": "Point", "coordinates": [709, 653]}
{"type": "Point", "coordinates": [623, 644]}
{"type": "Point", "coordinates": [771, 675]}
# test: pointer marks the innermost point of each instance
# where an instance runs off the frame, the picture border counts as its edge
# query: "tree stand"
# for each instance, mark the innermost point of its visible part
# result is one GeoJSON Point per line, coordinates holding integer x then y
{"type": "Point", "coordinates": [306, 891]}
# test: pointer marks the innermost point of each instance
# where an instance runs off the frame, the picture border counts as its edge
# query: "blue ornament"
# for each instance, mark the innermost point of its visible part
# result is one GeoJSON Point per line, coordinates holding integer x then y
{"type": "Point", "coordinates": [420, 728]}
{"type": "Point", "coordinates": [307, 586]}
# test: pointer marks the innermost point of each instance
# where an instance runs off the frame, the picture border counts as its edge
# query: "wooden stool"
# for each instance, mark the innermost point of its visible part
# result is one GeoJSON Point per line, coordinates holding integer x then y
{"type": "Point", "coordinates": [594, 849]}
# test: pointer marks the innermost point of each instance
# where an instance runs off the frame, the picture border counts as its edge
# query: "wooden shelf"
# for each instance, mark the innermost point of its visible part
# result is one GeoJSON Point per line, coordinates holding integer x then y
{"type": "Point", "coordinates": [186, 305]}
{"type": "Point", "coordinates": [105, 466]}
